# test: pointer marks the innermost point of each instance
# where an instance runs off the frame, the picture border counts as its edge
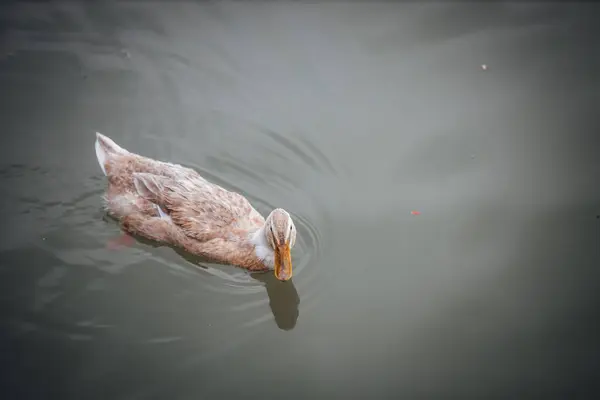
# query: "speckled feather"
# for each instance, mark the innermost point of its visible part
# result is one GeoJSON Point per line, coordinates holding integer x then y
{"type": "Point", "coordinates": [204, 211]}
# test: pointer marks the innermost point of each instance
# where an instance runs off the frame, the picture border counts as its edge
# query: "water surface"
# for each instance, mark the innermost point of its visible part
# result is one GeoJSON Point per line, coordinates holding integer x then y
{"type": "Point", "coordinates": [350, 116]}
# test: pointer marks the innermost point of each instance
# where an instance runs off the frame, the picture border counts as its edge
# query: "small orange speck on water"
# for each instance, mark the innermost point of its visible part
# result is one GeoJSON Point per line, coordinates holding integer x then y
{"type": "Point", "coordinates": [415, 212]}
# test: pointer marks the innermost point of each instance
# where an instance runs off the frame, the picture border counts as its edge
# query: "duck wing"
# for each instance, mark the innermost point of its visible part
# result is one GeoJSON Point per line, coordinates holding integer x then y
{"type": "Point", "coordinates": [203, 210]}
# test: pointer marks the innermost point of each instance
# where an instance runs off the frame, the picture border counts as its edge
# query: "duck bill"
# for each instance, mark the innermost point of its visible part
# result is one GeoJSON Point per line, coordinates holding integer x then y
{"type": "Point", "coordinates": [283, 262]}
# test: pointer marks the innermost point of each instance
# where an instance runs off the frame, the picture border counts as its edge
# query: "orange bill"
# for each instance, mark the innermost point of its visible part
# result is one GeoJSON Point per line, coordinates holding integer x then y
{"type": "Point", "coordinates": [283, 262]}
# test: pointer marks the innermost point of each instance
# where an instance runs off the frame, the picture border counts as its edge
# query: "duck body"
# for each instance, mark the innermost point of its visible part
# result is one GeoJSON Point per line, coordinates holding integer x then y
{"type": "Point", "coordinates": [172, 204]}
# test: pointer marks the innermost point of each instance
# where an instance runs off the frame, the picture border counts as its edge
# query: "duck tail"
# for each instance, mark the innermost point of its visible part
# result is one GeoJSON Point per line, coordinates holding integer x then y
{"type": "Point", "coordinates": [106, 149]}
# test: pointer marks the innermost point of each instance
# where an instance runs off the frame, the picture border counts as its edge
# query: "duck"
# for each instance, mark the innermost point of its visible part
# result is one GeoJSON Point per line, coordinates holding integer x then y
{"type": "Point", "coordinates": [174, 205]}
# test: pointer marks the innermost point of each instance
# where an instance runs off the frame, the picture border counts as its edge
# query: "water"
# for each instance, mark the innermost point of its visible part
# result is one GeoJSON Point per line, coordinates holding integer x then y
{"type": "Point", "coordinates": [350, 116]}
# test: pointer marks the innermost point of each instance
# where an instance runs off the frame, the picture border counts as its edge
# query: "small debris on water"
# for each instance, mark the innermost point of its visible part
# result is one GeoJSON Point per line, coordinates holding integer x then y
{"type": "Point", "coordinates": [484, 67]}
{"type": "Point", "coordinates": [415, 212]}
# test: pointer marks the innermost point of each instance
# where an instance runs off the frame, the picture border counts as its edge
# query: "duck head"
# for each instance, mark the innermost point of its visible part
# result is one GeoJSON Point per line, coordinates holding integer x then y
{"type": "Point", "coordinates": [280, 233]}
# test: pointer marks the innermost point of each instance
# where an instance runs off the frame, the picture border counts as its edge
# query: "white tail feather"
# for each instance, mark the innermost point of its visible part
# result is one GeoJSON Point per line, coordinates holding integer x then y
{"type": "Point", "coordinates": [105, 147]}
{"type": "Point", "coordinates": [101, 155]}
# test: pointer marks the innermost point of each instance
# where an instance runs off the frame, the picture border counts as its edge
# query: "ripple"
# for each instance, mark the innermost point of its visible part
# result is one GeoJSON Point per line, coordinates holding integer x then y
{"type": "Point", "coordinates": [285, 147]}
{"type": "Point", "coordinates": [282, 298]}
{"type": "Point", "coordinates": [237, 304]}
{"type": "Point", "coordinates": [240, 169]}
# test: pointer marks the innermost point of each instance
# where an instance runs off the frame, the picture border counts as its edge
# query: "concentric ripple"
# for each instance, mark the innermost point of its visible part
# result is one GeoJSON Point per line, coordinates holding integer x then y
{"type": "Point", "coordinates": [310, 220]}
{"type": "Point", "coordinates": [148, 294]}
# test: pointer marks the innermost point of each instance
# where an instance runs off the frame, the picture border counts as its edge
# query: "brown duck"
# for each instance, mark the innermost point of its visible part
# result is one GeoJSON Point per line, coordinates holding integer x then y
{"type": "Point", "coordinates": [172, 204]}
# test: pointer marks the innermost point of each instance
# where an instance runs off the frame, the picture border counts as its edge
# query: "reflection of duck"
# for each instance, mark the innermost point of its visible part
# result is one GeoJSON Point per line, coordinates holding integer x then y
{"type": "Point", "coordinates": [283, 301]}
{"type": "Point", "coordinates": [172, 204]}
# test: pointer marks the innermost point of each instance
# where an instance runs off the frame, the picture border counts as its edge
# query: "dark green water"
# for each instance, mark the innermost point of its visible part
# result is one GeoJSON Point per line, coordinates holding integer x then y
{"type": "Point", "coordinates": [348, 115]}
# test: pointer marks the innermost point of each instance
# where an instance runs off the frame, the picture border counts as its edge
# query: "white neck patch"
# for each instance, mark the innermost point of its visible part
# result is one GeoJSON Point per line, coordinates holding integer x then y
{"type": "Point", "coordinates": [262, 248]}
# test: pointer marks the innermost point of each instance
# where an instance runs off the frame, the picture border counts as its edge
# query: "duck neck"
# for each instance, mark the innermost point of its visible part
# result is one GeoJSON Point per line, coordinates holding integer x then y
{"type": "Point", "coordinates": [262, 248]}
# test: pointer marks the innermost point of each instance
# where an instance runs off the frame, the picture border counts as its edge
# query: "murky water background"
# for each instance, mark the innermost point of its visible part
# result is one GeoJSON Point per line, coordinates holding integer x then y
{"type": "Point", "coordinates": [350, 116]}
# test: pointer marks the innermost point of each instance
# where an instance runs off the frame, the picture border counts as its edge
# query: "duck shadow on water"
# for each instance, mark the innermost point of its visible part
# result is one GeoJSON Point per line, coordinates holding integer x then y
{"type": "Point", "coordinates": [284, 300]}
{"type": "Point", "coordinates": [283, 296]}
